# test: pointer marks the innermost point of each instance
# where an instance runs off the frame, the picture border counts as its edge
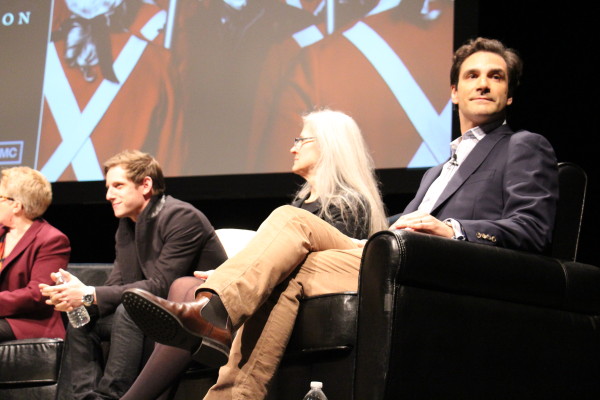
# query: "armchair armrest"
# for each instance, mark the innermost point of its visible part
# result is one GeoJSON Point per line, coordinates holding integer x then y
{"type": "Point", "coordinates": [440, 317]}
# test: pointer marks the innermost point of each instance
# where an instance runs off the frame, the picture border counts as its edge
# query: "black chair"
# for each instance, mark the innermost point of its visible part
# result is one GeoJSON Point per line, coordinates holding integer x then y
{"type": "Point", "coordinates": [572, 185]}
{"type": "Point", "coordinates": [30, 368]}
{"type": "Point", "coordinates": [447, 319]}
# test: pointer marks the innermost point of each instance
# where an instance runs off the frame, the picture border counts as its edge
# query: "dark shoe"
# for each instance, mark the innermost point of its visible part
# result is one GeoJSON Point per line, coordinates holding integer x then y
{"type": "Point", "coordinates": [180, 325]}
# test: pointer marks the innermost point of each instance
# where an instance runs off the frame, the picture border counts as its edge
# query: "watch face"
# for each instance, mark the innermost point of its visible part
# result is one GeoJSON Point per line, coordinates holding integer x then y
{"type": "Point", "coordinates": [88, 299]}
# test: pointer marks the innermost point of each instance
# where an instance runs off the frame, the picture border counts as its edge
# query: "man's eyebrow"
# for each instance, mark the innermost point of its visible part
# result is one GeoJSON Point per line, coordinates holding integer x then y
{"type": "Point", "coordinates": [498, 71]}
{"type": "Point", "coordinates": [471, 71]}
{"type": "Point", "coordinates": [491, 71]}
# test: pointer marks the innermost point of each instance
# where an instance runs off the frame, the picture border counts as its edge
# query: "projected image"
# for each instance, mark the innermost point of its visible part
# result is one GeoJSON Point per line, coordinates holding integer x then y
{"type": "Point", "coordinates": [108, 86]}
{"type": "Point", "coordinates": [215, 87]}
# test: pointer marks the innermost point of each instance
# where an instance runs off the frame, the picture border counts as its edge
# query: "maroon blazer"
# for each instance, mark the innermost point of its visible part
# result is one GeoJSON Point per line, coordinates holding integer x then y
{"type": "Point", "coordinates": [42, 250]}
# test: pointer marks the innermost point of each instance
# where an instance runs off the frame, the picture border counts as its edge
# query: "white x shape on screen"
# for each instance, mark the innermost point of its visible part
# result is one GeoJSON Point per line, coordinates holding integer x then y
{"type": "Point", "coordinates": [435, 129]}
{"type": "Point", "coordinates": [75, 126]}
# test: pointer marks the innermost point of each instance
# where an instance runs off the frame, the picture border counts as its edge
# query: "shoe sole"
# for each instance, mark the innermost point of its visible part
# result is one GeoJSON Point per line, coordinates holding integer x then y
{"type": "Point", "coordinates": [162, 327]}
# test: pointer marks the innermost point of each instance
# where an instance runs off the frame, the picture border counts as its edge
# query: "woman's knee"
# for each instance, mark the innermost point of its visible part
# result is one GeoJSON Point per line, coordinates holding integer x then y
{"type": "Point", "coordinates": [180, 287]}
{"type": "Point", "coordinates": [284, 210]}
{"type": "Point", "coordinates": [288, 212]}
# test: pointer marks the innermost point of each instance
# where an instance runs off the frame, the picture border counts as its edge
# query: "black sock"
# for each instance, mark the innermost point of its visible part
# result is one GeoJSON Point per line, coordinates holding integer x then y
{"type": "Point", "coordinates": [214, 311]}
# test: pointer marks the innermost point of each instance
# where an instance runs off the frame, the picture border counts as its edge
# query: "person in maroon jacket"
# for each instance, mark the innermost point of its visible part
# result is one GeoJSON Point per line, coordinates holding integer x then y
{"type": "Point", "coordinates": [30, 249]}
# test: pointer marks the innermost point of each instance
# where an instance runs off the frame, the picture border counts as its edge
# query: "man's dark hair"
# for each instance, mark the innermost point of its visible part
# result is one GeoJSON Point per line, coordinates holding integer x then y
{"type": "Point", "coordinates": [514, 63]}
{"type": "Point", "coordinates": [138, 166]}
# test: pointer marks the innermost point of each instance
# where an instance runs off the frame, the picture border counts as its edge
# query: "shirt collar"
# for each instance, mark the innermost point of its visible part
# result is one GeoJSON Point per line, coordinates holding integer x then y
{"type": "Point", "coordinates": [476, 133]}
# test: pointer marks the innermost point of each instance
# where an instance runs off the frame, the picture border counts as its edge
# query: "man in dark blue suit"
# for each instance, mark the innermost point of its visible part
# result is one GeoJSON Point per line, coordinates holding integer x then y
{"type": "Point", "coordinates": [498, 188]}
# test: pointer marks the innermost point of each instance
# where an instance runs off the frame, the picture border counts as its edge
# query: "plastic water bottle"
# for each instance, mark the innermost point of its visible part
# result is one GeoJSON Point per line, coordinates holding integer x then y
{"type": "Point", "coordinates": [315, 392]}
{"type": "Point", "coordinates": [79, 316]}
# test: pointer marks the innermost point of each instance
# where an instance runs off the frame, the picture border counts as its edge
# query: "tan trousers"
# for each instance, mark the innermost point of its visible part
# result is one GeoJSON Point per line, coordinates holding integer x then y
{"type": "Point", "coordinates": [293, 254]}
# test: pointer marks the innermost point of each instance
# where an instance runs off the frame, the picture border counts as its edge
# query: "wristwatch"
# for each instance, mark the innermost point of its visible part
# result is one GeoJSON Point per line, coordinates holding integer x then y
{"type": "Point", "coordinates": [88, 297]}
{"type": "Point", "coordinates": [455, 225]}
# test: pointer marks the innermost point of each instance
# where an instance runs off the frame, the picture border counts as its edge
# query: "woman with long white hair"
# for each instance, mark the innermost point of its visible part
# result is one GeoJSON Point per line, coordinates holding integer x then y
{"type": "Point", "coordinates": [340, 188]}
{"type": "Point", "coordinates": [340, 182]}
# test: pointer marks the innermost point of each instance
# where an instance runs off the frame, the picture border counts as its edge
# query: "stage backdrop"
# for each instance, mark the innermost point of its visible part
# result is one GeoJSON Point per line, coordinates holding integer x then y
{"type": "Point", "coordinates": [213, 87]}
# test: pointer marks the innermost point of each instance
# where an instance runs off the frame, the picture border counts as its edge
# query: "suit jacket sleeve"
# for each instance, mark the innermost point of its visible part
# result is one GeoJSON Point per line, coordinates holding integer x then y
{"type": "Point", "coordinates": [530, 194]}
{"type": "Point", "coordinates": [180, 240]}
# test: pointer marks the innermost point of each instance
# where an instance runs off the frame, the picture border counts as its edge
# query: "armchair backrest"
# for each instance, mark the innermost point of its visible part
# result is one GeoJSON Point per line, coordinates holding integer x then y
{"type": "Point", "coordinates": [572, 184]}
{"type": "Point", "coordinates": [234, 240]}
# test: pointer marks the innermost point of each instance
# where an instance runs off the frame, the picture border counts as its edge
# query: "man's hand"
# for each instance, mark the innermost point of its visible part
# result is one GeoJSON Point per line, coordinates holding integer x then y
{"type": "Point", "coordinates": [419, 221]}
{"type": "Point", "coordinates": [360, 243]}
{"type": "Point", "coordinates": [66, 296]}
{"type": "Point", "coordinates": [203, 274]}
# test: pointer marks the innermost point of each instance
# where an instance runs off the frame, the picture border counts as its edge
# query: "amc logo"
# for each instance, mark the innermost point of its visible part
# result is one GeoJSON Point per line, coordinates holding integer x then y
{"type": "Point", "coordinates": [11, 152]}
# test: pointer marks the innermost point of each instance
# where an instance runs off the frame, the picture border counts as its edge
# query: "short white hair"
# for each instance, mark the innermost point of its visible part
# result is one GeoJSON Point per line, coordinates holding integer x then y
{"type": "Point", "coordinates": [29, 187]}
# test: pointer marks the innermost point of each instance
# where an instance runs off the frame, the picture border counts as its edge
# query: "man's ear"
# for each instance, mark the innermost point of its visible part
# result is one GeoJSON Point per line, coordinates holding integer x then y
{"type": "Point", "coordinates": [453, 94]}
{"type": "Point", "coordinates": [147, 186]}
{"type": "Point", "coordinates": [509, 101]}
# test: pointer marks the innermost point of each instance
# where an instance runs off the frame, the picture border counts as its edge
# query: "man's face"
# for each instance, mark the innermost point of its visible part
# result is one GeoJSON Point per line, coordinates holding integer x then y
{"type": "Point", "coordinates": [482, 90]}
{"type": "Point", "coordinates": [127, 198]}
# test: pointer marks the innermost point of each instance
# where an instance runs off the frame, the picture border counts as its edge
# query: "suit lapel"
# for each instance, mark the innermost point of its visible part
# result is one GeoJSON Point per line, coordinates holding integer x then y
{"type": "Point", "coordinates": [23, 243]}
{"type": "Point", "coordinates": [144, 228]}
{"type": "Point", "coordinates": [471, 163]}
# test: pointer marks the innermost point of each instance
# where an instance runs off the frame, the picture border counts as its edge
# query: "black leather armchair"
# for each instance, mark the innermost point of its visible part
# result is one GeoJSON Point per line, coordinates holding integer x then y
{"type": "Point", "coordinates": [447, 319]}
{"type": "Point", "coordinates": [30, 368]}
{"type": "Point", "coordinates": [572, 186]}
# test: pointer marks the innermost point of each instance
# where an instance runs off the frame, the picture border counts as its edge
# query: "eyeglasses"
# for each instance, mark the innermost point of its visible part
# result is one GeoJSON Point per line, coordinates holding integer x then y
{"type": "Point", "coordinates": [2, 197]}
{"type": "Point", "coordinates": [299, 141]}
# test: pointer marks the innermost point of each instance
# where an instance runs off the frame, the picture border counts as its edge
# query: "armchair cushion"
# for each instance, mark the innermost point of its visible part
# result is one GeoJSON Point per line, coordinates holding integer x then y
{"type": "Point", "coordinates": [30, 361]}
{"type": "Point", "coordinates": [325, 323]}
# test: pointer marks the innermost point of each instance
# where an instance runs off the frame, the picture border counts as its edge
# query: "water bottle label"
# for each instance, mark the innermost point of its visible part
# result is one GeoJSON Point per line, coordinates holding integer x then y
{"type": "Point", "coordinates": [79, 316]}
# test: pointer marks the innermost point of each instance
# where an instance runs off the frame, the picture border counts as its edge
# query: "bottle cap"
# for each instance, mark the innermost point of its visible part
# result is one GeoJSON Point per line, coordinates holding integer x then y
{"type": "Point", "coordinates": [316, 384]}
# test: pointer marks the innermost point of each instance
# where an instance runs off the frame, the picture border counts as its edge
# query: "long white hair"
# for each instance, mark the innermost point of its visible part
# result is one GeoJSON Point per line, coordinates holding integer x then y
{"type": "Point", "coordinates": [344, 176]}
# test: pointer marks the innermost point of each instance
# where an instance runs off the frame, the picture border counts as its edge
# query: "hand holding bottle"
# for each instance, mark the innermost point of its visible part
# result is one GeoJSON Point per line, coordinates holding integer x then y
{"type": "Point", "coordinates": [78, 316]}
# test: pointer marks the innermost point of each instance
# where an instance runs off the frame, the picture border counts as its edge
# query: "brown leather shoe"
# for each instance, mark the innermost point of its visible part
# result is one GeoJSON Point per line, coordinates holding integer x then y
{"type": "Point", "coordinates": [180, 325]}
